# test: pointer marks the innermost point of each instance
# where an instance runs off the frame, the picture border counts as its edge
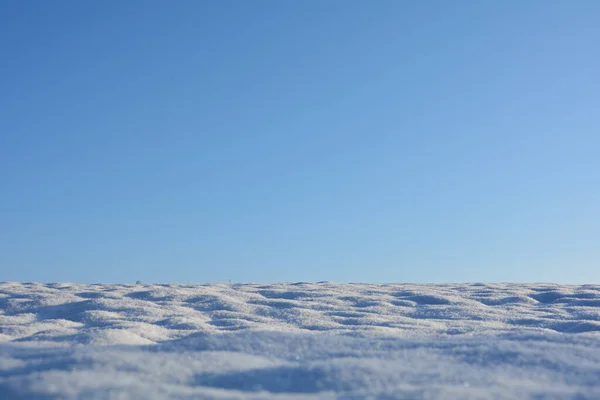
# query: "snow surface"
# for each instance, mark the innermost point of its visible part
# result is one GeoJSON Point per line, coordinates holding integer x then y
{"type": "Point", "coordinates": [299, 341]}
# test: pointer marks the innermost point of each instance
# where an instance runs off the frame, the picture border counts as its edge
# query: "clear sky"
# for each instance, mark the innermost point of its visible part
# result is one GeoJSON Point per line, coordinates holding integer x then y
{"type": "Point", "coordinates": [266, 141]}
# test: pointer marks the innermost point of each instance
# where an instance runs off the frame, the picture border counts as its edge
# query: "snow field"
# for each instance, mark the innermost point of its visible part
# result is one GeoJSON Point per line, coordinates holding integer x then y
{"type": "Point", "coordinates": [299, 340]}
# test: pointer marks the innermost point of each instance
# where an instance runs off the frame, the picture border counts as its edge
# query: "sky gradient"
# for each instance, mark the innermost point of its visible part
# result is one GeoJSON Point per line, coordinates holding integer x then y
{"type": "Point", "coordinates": [266, 141]}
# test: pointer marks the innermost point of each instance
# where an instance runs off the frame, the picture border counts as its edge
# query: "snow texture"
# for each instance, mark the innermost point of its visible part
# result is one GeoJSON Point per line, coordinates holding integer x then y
{"type": "Point", "coordinates": [299, 341]}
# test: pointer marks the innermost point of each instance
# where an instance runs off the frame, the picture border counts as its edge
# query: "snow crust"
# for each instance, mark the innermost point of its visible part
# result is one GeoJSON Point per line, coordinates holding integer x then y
{"type": "Point", "coordinates": [299, 341]}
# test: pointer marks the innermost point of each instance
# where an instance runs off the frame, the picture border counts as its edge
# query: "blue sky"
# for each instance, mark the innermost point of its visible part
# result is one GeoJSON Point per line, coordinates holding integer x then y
{"type": "Point", "coordinates": [266, 141]}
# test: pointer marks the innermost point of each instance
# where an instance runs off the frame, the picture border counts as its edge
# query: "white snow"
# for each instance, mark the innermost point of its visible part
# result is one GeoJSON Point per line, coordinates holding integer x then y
{"type": "Point", "coordinates": [299, 341]}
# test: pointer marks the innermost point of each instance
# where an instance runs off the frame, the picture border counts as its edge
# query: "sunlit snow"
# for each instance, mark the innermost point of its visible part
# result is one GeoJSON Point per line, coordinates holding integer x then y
{"type": "Point", "coordinates": [299, 340]}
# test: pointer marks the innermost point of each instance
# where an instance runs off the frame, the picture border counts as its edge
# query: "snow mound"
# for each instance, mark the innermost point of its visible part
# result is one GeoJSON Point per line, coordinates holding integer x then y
{"type": "Point", "coordinates": [299, 340]}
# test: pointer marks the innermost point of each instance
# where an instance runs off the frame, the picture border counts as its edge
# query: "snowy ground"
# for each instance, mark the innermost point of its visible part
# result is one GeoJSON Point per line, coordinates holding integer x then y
{"type": "Point", "coordinates": [296, 341]}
